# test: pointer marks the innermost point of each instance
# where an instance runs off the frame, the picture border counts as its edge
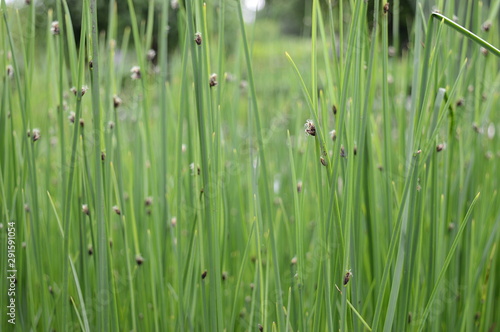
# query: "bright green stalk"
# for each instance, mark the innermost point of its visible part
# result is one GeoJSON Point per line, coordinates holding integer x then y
{"type": "Point", "coordinates": [102, 266]}
{"type": "Point", "coordinates": [267, 198]}
{"type": "Point", "coordinates": [447, 263]}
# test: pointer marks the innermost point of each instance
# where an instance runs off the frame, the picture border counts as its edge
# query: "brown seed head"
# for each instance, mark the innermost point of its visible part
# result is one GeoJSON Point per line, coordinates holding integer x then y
{"type": "Point", "coordinates": [84, 89]}
{"type": "Point", "coordinates": [117, 101]}
{"type": "Point", "coordinates": [117, 210]}
{"type": "Point", "coordinates": [333, 135]}
{"type": "Point", "coordinates": [10, 71]}
{"type": "Point", "coordinates": [261, 328]}
{"type": "Point", "coordinates": [197, 38]}
{"type": "Point", "coordinates": [299, 187]}
{"type": "Point", "coordinates": [386, 8]}
{"type": "Point", "coordinates": [342, 152]}
{"type": "Point", "coordinates": [54, 28]}
{"type": "Point", "coordinates": [35, 134]}
{"type": "Point", "coordinates": [486, 26]}
{"type": "Point", "coordinates": [310, 128]}
{"type": "Point", "coordinates": [71, 117]}
{"type": "Point", "coordinates": [213, 80]}
{"type": "Point", "coordinates": [204, 274]}
{"type": "Point", "coordinates": [347, 277]}
{"type": "Point", "coordinates": [439, 147]}
{"type": "Point", "coordinates": [135, 72]}
{"type": "Point", "coordinates": [334, 110]}
{"type": "Point", "coordinates": [139, 260]}
{"type": "Point", "coordinates": [85, 209]}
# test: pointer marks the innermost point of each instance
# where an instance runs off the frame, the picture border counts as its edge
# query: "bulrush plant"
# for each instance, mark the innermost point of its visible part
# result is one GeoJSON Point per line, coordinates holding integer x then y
{"type": "Point", "coordinates": [149, 194]}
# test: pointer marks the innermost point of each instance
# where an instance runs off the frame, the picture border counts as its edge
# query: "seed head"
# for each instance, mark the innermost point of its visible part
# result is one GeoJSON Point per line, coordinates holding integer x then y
{"type": "Point", "coordinates": [54, 28]}
{"type": "Point", "coordinates": [486, 26]}
{"type": "Point", "coordinates": [386, 8]}
{"type": "Point", "coordinates": [35, 134]}
{"type": "Point", "coordinates": [224, 276]}
{"type": "Point", "coordinates": [342, 152]}
{"type": "Point", "coordinates": [204, 274]}
{"type": "Point", "coordinates": [299, 187]}
{"type": "Point", "coordinates": [439, 147]}
{"type": "Point", "coordinates": [136, 72]}
{"type": "Point", "coordinates": [90, 250]}
{"type": "Point", "coordinates": [117, 101]}
{"type": "Point", "coordinates": [84, 89]}
{"type": "Point", "coordinates": [484, 51]}
{"type": "Point", "coordinates": [10, 71]}
{"type": "Point", "coordinates": [476, 128]}
{"type": "Point", "coordinates": [81, 122]}
{"type": "Point", "coordinates": [213, 80]}
{"type": "Point", "coordinates": [333, 135]}
{"type": "Point", "coordinates": [173, 221]}
{"type": "Point", "coordinates": [139, 259]}
{"type": "Point", "coordinates": [103, 155]}
{"type": "Point", "coordinates": [310, 128]}
{"type": "Point", "coordinates": [197, 38]}
{"type": "Point", "coordinates": [111, 125]}
{"type": "Point", "coordinates": [148, 201]}
{"type": "Point", "coordinates": [73, 90]}
{"type": "Point", "coordinates": [294, 260]}
{"type": "Point", "coordinates": [334, 110]}
{"type": "Point", "coordinates": [27, 208]}
{"type": "Point", "coordinates": [150, 55]}
{"type": "Point", "coordinates": [261, 328]}
{"type": "Point", "coordinates": [347, 277]}
{"type": "Point", "coordinates": [460, 102]}
{"type": "Point", "coordinates": [85, 209]}
{"type": "Point", "coordinates": [323, 161]}
{"type": "Point", "coordinates": [117, 210]}
{"type": "Point", "coordinates": [71, 117]}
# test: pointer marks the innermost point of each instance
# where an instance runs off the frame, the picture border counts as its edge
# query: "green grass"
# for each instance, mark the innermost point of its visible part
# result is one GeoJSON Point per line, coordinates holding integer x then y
{"type": "Point", "coordinates": [182, 206]}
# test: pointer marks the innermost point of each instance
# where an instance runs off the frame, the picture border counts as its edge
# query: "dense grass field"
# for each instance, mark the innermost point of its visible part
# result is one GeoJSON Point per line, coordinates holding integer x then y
{"type": "Point", "coordinates": [248, 180]}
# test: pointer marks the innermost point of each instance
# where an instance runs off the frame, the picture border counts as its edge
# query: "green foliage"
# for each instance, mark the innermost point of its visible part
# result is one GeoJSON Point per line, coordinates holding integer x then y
{"type": "Point", "coordinates": [148, 194]}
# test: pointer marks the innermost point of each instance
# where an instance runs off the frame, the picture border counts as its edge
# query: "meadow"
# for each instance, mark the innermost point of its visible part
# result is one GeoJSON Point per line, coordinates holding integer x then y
{"type": "Point", "coordinates": [249, 180]}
